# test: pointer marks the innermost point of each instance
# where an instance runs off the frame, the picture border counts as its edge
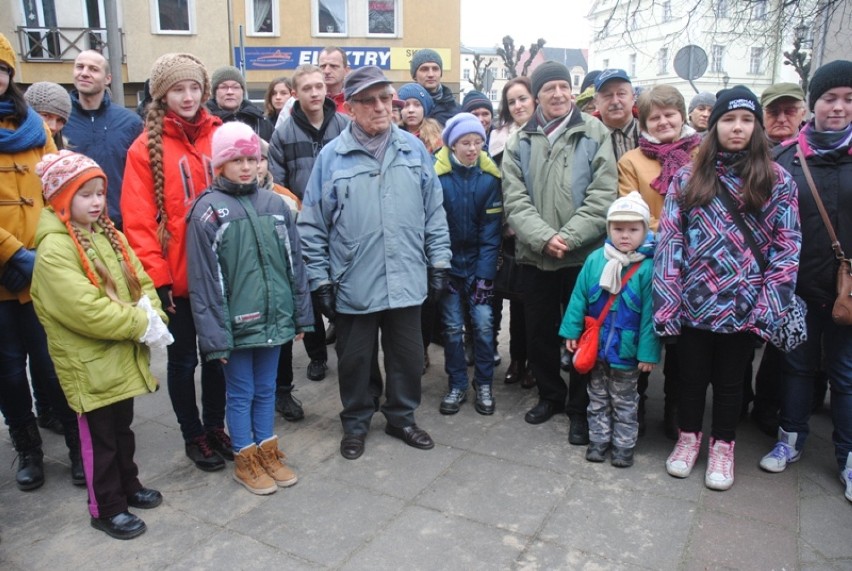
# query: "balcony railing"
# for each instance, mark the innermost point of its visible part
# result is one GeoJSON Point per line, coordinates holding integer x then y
{"type": "Point", "coordinates": [61, 44]}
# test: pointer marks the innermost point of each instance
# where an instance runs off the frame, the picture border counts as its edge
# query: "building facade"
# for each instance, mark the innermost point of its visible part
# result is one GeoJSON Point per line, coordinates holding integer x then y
{"type": "Point", "coordinates": [743, 43]}
{"type": "Point", "coordinates": [266, 38]}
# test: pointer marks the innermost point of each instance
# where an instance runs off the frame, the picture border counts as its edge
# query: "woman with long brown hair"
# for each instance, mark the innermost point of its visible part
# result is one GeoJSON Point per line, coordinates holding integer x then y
{"type": "Point", "coordinates": [713, 292]}
{"type": "Point", "coordinates": [167, 167]}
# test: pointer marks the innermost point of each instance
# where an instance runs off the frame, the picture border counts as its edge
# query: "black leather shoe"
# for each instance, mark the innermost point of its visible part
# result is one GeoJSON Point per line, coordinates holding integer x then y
{"type": "Point", "coordinates": [145, 499]}
{"type": "Point", "coordinates": [352, 446]}
{"type": "Point", "coordinates": [541, 412]}
{"type": "Point", "coordinates": [578, 433]}
{"type": "Point", "coordinates": [514, 373]}
{"type": "Point", "coordinates": [412, 435]}
{"type": "Point", "coordinates": [316, 370]}
{"type": "Point", "coordinates": [124, 525]}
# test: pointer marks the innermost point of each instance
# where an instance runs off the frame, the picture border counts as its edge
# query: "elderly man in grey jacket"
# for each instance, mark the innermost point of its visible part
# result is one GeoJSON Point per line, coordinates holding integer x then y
{"type": "Point", "coordinates": [375, 238]}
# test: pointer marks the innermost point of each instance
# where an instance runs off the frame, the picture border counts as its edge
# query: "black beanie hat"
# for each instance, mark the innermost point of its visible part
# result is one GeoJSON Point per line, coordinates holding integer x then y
{"type": "Point", "coordinates": [476, 100]}
{"type": "Point", "coordinates": [548, 71]}
{"type": "Point", "coordinates": [737, 97]}
{"type": "Point", "coordinates": [833, 74]}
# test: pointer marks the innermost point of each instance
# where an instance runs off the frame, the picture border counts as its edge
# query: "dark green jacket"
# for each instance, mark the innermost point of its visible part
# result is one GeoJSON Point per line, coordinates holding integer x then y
{"type": "Point", "coordinates": [247, 281]}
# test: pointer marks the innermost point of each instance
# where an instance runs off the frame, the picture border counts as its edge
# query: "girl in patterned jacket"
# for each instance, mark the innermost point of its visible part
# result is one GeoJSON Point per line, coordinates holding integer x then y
{"type": "Point", "coordinates": [709, 291]}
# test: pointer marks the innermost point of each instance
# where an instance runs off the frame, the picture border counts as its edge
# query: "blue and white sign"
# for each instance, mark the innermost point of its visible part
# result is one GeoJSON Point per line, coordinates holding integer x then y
{"type": "Point", "coordinates": [283, 57]}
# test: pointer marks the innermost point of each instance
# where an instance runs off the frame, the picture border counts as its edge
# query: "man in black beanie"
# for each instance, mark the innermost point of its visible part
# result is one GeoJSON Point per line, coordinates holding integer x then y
{"type": "Point", "coordinates": [556, 202]}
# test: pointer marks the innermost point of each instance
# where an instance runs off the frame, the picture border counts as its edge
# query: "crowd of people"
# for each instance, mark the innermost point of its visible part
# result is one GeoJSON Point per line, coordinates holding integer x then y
{"type": "Point", "coordinates": [626, 229]}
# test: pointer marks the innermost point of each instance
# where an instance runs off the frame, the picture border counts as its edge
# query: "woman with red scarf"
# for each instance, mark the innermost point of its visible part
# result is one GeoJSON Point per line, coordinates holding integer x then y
{"type": "Point", "coordinates": [666, 143]}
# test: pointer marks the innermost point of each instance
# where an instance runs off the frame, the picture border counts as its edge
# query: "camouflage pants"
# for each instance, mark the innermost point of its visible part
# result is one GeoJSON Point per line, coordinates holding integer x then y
{"type": "Point", "coordinates": [613, 406]}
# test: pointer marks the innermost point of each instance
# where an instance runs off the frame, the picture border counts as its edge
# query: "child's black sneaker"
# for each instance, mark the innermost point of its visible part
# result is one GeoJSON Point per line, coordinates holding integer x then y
{"type": "Point", "coordinates": [198, 450]}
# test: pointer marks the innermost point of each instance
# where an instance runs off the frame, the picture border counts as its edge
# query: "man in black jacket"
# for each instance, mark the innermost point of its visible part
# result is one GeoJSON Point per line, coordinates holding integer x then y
{"type": "Point", "coordinates": [427, 68]}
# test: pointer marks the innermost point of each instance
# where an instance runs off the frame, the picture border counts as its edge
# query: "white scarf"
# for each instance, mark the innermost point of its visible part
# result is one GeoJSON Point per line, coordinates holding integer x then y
{"type": "Point", "coordinates": [616, 262]}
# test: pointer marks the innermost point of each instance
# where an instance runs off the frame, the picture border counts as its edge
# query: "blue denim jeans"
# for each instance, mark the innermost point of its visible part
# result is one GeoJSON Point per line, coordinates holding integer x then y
{"type": "Point", "coordinates": [829, 347]}
{"type": "Point", "coordinates": [453, 306]}
{"type": "Point", "coordinates": [250, 387]}
{"type": "Point", "coordinates": [22, 336]}
{"type": "Point", "coordinates": [180, 373]}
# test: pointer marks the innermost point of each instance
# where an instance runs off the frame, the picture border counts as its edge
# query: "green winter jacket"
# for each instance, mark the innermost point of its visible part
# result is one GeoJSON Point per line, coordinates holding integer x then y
{"type": "Point", "coordinates": [563, 187]}
{"type": "Point", "coordinates": [93, 341]}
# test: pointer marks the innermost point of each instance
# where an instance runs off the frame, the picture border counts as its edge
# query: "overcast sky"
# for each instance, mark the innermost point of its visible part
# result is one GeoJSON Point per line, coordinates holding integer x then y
{"type": "Point", "coordinates": [561, 24]}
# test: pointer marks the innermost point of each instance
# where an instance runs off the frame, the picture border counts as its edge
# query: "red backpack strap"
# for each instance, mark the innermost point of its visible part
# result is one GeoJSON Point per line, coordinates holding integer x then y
{"type": "Point", "coordinates": [624, 279]}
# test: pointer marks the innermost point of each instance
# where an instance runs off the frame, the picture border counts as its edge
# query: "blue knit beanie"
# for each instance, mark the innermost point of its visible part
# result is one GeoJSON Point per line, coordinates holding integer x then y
{"type": "Point", "coordinates": [476, 100]}
{"type": "Point", "coordinates": [460, 125]}
{"type": "Point", "coordinates": [416, 91]}
{"type": "Point", "coordinates": [425, 56]}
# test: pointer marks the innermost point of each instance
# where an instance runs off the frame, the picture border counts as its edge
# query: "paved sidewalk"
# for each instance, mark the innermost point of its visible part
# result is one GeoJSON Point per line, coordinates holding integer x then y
{"type": "Point", "coordinates": [495, 493]}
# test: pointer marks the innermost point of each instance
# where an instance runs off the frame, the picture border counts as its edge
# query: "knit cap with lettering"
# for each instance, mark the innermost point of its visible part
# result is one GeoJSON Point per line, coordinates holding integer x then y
{"type": "Point", "coordinates": [737, 97]}
{"type": "Point", "coordinates": [169, 69]}
{"type": "Point", "coordinates": [62, 174]}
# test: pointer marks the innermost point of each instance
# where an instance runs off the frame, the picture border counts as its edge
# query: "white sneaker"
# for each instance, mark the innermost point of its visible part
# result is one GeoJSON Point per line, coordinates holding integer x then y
{"type": "Point", "coordinates": [783, 453]}
{"type": "Point", "coordinates": [846, 477]}
{"type": "Point", "coordinates": [682, 459]}
{"type": "Point", "coordinates": [720, 465]}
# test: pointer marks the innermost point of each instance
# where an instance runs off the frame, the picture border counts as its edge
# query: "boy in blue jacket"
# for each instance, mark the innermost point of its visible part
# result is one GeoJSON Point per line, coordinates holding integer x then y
{"type": "Point", "coordinates": [473, 202]}
{"type": "Point", "coordinates": [627, 344]}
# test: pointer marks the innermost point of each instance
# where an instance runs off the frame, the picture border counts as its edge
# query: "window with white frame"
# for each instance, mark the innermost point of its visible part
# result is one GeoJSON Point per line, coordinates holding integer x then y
{"type": "Point", "coordinates": [173, 16]}
{"type": "Point", "coordinates": [667, 11]}
{"type": "Point", "coordinates": [717, 59]}
{"type": "Point", "coordinates": [492, 95]}
{"type": "Point", "coordinates": [720, 7]}
{"type": "Point", "coordinates": [606, 64]}
{"type": "Point", "coordinates": [759, 9]}
{"type": "Point", "coordinates": [631, 65]}
{"type": "Point", "coordinates": [331, 18]}
{"type": "Point", "coordinates": [663, 61]}
{"type": "Point", "coordinates": [382, 17]}
{"type": "Point", "coordinates": [262, 18]}
{"type": "Point", "coordinates": [755, 66]}
{"type": "Point", "coordinates": [634, 22]}
{"type": "Point", "coordinates": [466, 74]}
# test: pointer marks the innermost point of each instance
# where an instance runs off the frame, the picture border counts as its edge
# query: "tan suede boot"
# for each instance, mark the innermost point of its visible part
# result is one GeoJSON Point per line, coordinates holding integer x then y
{"type": "Point", "coordinates": [271, 460]}
{"type": "Point", "coordinates": [249, 472]}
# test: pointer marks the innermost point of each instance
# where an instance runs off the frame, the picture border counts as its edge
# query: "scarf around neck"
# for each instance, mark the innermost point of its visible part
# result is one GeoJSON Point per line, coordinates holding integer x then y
{"type": "Point", "coordinates": [828, 143]}
{"type": "Point", "coordinates": [617, 261]}
{"type": "Point", "coordinates": [29, 135]}
{"type": "Point", "coordinates": [376, 145]}
{"type": "Point", "coordinates": [553, 127]}
{"type": "Point", "coordinates": [671, 156]}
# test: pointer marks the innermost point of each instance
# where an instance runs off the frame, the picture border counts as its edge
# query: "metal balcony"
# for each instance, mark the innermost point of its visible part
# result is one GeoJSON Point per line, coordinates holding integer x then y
{"type": "Point", "coordinates": [61, 44]}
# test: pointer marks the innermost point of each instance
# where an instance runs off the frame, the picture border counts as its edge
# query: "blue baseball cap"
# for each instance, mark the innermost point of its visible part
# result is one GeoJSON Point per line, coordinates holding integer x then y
{"type": "Point", "coordinates": [610, 74]}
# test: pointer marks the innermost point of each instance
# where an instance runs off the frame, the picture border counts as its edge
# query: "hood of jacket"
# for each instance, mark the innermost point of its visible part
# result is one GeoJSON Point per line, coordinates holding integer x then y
{"type": "Point", "coordinates": [445, 164]}
{"type": "Point", "coordinates": [328, 111]}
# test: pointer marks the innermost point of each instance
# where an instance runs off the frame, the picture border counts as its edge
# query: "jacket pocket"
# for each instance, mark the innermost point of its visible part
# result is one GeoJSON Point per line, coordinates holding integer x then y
{"type": "Point", "coordinates": [105, 369]}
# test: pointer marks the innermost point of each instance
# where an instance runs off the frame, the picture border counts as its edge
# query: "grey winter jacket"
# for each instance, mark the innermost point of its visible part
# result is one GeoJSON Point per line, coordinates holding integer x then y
{"type": "Point", "coordinates": [373, 229]}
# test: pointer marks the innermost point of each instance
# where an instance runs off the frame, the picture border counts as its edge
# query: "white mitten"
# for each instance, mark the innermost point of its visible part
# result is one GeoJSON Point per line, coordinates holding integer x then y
{"type": "Point", "coordinates": [157, 334]}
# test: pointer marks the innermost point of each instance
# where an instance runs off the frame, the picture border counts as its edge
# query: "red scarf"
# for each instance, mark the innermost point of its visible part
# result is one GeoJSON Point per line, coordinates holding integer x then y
{"type": "Point", "coordinates": [671, 156]}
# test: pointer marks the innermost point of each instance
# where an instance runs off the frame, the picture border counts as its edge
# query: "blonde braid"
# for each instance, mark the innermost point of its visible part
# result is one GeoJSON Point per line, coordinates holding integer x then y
{"type": "Point", "coordinates": [118, 247]}
{"type": "Point", "coordinates": [154, 126]}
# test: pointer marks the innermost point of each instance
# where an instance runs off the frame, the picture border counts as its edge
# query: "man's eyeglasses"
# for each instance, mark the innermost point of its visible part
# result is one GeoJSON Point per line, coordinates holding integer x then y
{"type": "Point", "coordinates": [789, 111]}
{"type": "Point", "coordinates": [385, 98]}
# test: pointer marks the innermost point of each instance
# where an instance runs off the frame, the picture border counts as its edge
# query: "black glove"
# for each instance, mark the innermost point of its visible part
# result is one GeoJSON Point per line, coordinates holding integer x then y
{"type": "Point", "coordinates": [669, 339]}
{"type": "Point", "coordinates": [165, 295]}
{"type": "Point", "coordinates": [324, 298]}
{"type": "Point", "coordinates": [438, 278]}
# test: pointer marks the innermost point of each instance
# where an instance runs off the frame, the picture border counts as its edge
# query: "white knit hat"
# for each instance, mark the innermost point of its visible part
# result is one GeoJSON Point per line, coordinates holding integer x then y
{"type": "Point", "coordinates": [630, 208]}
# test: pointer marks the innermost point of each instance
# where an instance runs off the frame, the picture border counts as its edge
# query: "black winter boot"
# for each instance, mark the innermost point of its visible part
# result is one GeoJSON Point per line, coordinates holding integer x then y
{"type": "Point", "coordinates": [72, 441]}
{"type": "Point", "coordinates": [27, 441]}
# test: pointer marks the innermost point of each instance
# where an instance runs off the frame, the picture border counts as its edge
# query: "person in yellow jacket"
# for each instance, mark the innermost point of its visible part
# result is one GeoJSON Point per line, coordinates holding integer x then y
{"type": "Point", "coordinates": [24, 139]}
{"type": "Point", "coordinates": [102, 315]}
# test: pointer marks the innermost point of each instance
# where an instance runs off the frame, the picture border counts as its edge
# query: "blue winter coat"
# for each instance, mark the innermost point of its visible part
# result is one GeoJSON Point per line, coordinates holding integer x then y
{"type": "Point", "coordinates": [104, 135]}
{"type": "Point", "coordinates": [627, 333]}
{"type": "Point", "coordinates": [473, 202]}
{"type": "Point", "coordinates": [373, 229]}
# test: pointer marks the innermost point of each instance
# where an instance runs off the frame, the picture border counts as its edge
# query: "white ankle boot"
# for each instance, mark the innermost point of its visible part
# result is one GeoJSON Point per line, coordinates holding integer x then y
{"type": "Point", "coordinates": [783, 453]}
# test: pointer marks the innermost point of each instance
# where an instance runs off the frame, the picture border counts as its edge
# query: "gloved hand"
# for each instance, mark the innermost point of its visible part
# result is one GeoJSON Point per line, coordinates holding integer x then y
{"type": "Point", "coordinates": [166, 300]}
{"type": "Point", "coordinates": [19, 270]}
{"type": "Point", "coordinates": [483, 292]}
{"type": "Point", "coordinates": [324, 297]}
{"type": "Point", "coordinates": [157, 335]}
{"type": "Point", "coordinates": [438, 278]}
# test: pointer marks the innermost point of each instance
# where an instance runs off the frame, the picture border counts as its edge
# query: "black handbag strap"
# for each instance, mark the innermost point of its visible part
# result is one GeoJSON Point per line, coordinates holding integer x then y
{"type": "Point", "coordinates": [728, 203]}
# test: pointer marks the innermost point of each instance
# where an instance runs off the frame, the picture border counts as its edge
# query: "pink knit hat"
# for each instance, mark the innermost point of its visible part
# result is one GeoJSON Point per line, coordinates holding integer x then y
{"type": "Point", "coordinates": [232, 141]}
{"type": "Point", "coordinates": [62, 174]}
